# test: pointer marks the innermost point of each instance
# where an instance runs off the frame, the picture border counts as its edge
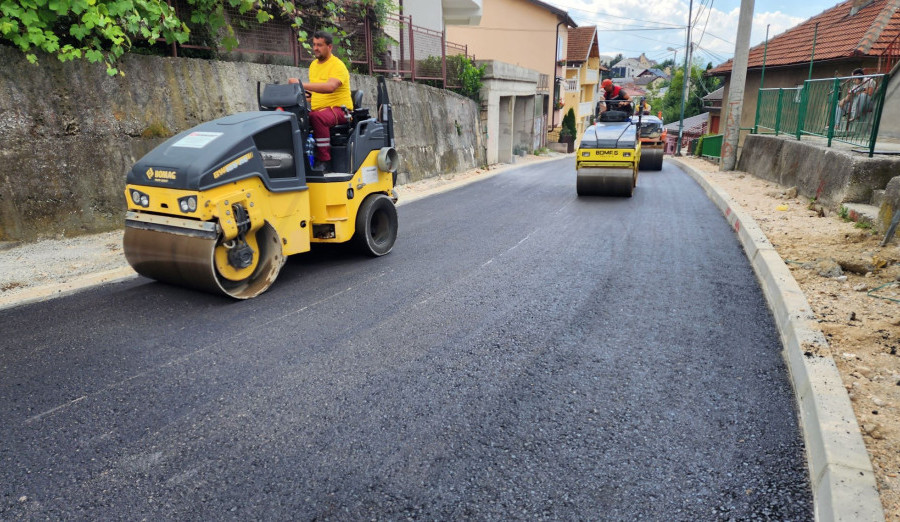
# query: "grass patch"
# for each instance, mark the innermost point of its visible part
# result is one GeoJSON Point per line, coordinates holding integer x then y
{"type": "Point", "coordinates": [156, 130]}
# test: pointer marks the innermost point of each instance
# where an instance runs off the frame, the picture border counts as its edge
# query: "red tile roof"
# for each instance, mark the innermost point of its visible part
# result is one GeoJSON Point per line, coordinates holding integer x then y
{"type": "Point", "coordinates": [840, 35]}
{"type": "Point", "coordinates": [582, 44]}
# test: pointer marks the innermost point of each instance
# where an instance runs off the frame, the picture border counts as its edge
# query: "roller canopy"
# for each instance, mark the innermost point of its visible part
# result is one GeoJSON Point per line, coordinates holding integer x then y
{"type": "Point", "coordinates": [222, 151]}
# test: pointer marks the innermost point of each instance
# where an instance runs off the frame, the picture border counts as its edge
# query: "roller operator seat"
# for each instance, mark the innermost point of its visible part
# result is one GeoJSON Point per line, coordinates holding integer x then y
{"type": "Point", "coordinates": [342, 131]}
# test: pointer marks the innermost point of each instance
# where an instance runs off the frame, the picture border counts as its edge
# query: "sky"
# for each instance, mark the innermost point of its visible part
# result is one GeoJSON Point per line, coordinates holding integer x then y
{"type": "Point", "coordinates": [631, 27]}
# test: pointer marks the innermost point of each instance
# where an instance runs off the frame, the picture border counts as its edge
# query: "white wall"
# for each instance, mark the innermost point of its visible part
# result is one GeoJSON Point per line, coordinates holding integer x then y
{"type": "Point", "coordinates": [425, 13]}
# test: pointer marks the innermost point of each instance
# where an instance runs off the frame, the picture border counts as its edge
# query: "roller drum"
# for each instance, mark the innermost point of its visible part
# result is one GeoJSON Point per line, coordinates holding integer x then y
{"type": "Point", "coordinates": [605, 182]}
{"type": "Point", "coordinates": [185, 258]}
{"type": "Point", "coordinates": [651, 158]}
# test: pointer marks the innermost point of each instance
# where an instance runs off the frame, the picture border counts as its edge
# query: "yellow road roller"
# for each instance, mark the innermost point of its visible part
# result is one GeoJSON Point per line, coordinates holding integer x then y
{"type": "Point", "coordinates": [220, 206]}
{"type": "Point", "coordinates": [608, 156]}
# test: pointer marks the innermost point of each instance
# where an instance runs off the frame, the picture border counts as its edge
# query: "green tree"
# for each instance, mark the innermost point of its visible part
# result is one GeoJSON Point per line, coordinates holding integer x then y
{"type": "Point", "coordinates": [670, 102]}
{"type": "Point", "coordinates": [618, 58]}
{"type": "Point", "coordinates": [103, 30]}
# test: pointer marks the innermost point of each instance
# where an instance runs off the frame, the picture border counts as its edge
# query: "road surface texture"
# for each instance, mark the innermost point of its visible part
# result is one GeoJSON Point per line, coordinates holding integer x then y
{"type": "Point", "coordinates": [521, 354]}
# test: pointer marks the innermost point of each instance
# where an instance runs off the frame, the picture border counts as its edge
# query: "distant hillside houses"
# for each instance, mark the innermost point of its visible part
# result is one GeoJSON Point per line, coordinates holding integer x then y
{"type": "Point", "coordinates": [631, 67]}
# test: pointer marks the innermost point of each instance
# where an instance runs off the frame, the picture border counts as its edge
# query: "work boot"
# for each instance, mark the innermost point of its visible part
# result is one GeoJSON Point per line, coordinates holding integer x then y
{"type": "Point", "coordinates": [322, 166]}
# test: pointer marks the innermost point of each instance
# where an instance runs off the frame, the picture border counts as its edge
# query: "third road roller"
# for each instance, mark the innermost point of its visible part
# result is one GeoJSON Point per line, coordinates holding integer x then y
{"type": "Point", "coordinates": [220, 206]}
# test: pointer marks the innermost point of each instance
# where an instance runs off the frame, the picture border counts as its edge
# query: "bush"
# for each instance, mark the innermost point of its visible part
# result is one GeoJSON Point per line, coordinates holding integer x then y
{"type": "Point", "coordinates": [469, 78]}
{"type": "Point", "coordinates": [568, 124]}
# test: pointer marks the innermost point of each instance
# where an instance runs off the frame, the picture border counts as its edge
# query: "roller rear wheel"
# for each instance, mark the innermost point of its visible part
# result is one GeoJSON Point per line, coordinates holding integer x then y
{"type": "Point", "coordinates": [376, 225]}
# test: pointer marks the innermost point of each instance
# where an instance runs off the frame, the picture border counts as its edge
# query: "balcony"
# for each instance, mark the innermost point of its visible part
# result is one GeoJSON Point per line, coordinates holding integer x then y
{"type": "Point", "coordinates": [462, 12]}
{"type": "Point", "coordinates": [591, 76]}
{"type": "Point", "coordinates": [585, 109]}
{"type": "Point", "coordinates": [572, 85]}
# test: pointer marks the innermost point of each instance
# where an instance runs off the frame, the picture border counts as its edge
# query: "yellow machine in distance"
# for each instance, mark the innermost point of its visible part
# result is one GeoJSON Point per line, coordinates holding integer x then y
{"type": "Point", "coordinates": [220, 206]}
{"type": "Point", "coordinates": [608, 156]}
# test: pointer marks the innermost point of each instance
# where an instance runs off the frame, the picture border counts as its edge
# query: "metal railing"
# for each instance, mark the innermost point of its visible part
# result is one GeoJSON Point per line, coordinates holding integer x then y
{"type": "Point", "coordinates": [889, 56]}
{"type": "Point", "coordinates": [399, 48]}
{"type": "Point", "coordinates": [846, 109]}
{"type": "Point", "coordinates": [711, 146]}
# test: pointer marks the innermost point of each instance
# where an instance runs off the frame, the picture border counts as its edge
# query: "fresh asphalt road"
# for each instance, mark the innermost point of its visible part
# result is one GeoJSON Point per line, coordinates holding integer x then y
{"type": "Point", "coordinates": [521, 354]}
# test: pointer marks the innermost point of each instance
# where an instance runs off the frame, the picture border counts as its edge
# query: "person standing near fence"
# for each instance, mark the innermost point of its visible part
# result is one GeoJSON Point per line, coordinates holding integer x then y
{"type": "Point", "coordinates": [329, 92]}
{"type": "Point", "coordinates": [857, 100]}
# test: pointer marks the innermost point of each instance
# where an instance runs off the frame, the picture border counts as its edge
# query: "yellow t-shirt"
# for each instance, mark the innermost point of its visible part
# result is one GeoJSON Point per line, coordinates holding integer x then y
{"type": "Point", "coordinates": [321, 73]}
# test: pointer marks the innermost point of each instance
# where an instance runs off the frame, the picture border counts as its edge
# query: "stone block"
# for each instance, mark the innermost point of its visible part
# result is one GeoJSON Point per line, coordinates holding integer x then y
{"type": "Point", "coordinates": [890, 203]}
{"type": "Point", "coordinates": [831, 175]}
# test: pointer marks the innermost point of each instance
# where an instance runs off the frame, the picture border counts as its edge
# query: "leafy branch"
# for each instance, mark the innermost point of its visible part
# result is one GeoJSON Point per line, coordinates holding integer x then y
{"type": "Point", "coordinates": [101, 31]}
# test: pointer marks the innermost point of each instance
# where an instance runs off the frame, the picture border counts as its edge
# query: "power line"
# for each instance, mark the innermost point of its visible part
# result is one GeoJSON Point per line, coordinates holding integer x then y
{"type": "Point", "coordinates": [720, 38]}
{"type": "Point", "coordinates": [558, 4]}
{"type": "Point", "coordinates": [637, 27]}
{"type": "Point", "coordinates": [699, 13]}
{"type": "Point", "coordinates": [630, 30]}
{"type": "Point", "coordinates": [712, 54]}
{"type": "Point", "coordinates": [711, 2]}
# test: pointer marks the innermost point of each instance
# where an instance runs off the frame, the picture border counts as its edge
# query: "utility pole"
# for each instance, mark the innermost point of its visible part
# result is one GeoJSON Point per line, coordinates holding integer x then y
{"type": "Point", "coordinates": [684, 79]}
{"type": "Point", "coordinates": [736, 87]}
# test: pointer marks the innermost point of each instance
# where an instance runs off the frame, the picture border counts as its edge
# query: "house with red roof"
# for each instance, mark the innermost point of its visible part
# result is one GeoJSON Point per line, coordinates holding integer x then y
{"type": "Point", "coordinates": [852, 34]}
{"type": "Point", "coordinates": [582, 74]}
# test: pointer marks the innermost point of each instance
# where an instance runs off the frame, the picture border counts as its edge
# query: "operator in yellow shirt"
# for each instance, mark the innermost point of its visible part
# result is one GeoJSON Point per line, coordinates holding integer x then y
{"type": "Point", "coordinates": [329, 89]}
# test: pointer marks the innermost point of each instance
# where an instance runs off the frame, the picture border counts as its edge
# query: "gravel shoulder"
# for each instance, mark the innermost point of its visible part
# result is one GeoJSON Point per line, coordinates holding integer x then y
{"type": "Point", "coordinates": [848, 279]}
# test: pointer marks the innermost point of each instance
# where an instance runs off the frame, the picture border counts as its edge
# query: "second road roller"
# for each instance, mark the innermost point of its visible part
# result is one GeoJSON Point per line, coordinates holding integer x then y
{"type": "Point", "coordinates": [609, 154]}
{"type": "Point", "coordinates": [220, 206]}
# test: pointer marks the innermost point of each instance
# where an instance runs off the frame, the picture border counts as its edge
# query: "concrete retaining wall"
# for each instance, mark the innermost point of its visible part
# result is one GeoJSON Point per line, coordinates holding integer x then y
{"type": "Point", "coordinates": [835, 176]}
{"type": "Point", "coordinates": [69, 132]}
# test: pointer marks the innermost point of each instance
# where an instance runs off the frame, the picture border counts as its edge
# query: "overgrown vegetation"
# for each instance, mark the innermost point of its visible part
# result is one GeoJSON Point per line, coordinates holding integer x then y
{"type": "Point", "coordinates": [463, 77]}
{"type": "Point", "coordinates": [470, 78]}
{"type": "Point", "coordinates": [101, 31]}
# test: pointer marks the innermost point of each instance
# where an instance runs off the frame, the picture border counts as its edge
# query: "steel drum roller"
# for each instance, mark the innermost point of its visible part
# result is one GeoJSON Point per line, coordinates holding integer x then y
{"type": "Point", "coordinates": [605, 181]}
{"type": "Point", "coordinates": [186, 258]}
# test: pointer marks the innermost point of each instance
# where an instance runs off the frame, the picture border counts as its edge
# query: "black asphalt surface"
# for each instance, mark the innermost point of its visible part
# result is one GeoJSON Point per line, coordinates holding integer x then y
{"type": "Point", "coordinates": [521, 354]}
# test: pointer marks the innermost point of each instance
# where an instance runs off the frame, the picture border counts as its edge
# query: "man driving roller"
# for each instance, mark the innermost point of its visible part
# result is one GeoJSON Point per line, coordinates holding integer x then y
{"type": "Point", "coordinates": [329, 91]}
{"type": "Point", "coordinates": [613, 95]}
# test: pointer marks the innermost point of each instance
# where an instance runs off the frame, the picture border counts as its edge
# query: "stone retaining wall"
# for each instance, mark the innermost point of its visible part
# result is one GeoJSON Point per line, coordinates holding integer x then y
{"type": "Point", "coordinates": [834, 176]}
{"type": "Point", "coordinates": [69, 132]}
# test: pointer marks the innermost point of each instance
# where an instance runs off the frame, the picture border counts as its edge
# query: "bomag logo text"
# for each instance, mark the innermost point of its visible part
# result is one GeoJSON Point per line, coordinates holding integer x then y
{"type": "Point", "coordinates": [160, 174]}
{"type": "Point", "coordinates": [607, 153]}
{"type": "Point", "coordinates": [232, 165]}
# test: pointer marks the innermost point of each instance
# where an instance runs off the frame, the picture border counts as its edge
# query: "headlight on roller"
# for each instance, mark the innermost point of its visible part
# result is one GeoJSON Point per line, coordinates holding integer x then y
{"type": "Point", "coordinates": [139, 198]}
{"type": "Point", "coordinates": [187, 204]}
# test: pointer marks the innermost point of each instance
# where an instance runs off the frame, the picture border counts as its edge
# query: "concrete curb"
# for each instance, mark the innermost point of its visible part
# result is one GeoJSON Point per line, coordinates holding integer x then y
{"type": "Point", "coordinates": [841, 475]}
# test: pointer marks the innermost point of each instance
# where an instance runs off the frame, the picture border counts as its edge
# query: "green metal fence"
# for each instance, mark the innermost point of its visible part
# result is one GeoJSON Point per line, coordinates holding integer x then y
{"type": "Point", "coordinates": [712, 146]}
{"type": "Point", "coordinates": [844, 109]}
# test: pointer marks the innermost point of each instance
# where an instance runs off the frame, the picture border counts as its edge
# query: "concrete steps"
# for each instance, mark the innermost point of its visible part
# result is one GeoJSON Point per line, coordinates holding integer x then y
{"type": "Point", "coordinates": [877, 197]}
{"type": "Point", "coordinates": [862, 213]}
